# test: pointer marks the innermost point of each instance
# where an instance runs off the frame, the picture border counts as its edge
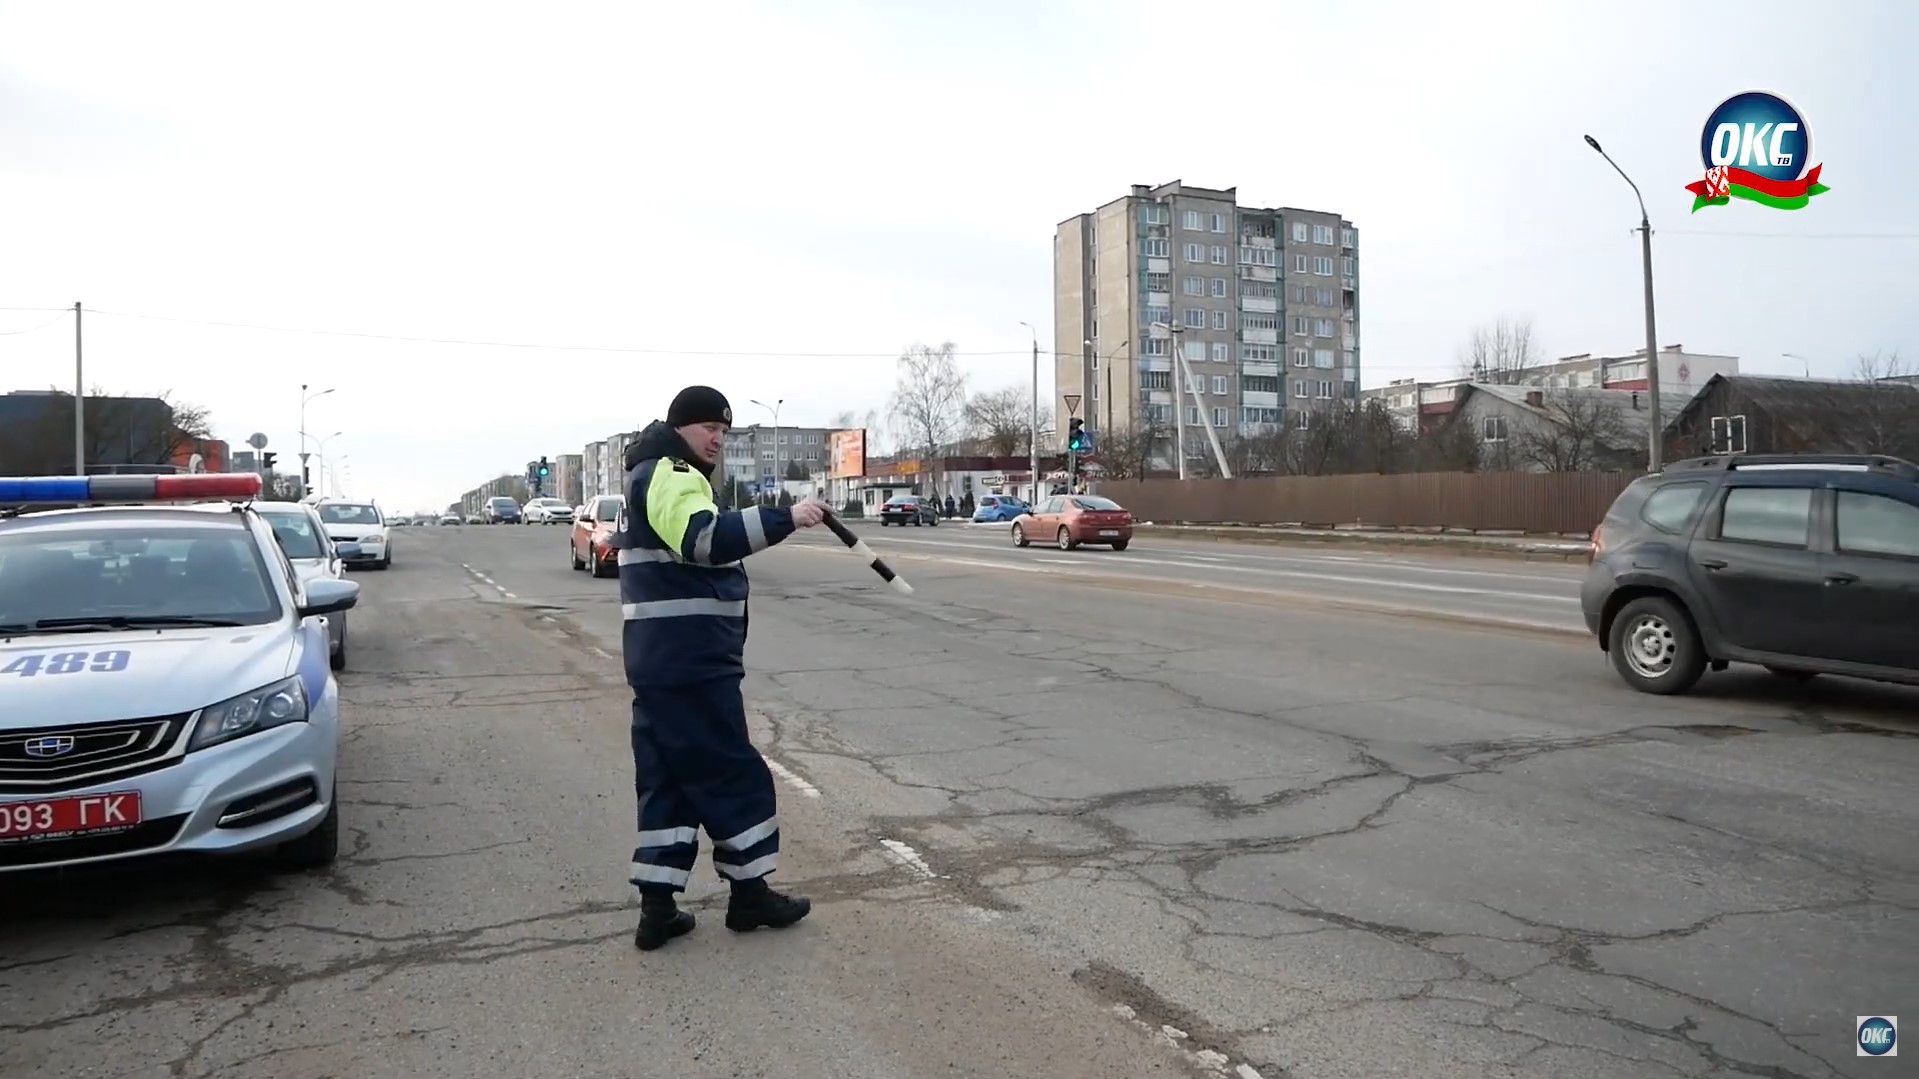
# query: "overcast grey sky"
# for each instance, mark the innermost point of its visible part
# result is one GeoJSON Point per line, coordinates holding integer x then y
{"type": "Point", "coordinates": [741, 185]}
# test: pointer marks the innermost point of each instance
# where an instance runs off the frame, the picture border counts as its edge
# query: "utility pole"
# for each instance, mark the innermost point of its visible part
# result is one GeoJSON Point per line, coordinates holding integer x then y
{"type": "Point", "coordinates": [1656, 427]}
{"type": "Point", "coordinates": [1212, 433]}
{"type": "Point", "coordinates": [79, 400]}
{"type": "Point", "coordinates": [1033, 444]}
{"type": "Point", "coordinates": [1179, 407]}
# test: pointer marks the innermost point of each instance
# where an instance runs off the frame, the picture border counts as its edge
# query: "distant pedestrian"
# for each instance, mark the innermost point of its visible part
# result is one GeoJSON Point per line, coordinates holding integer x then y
{"type": "Point", "coordinates": [684, 592]}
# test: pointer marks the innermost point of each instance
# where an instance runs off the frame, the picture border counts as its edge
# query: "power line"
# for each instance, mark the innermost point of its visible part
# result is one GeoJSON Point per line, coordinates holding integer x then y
{"type": "Point", "coordinates": [530, 345]}
{"type": "Point", "coordinates": [57, 318]}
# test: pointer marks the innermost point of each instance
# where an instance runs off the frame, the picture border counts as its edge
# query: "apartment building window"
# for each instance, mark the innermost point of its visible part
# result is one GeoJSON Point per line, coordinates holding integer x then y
{"type": "Point", "coordinates": [1299, 232]}
{"type": "Point", "coordinates": [1157, 380]}
{"type": "Point", "coordinates": [1222, 352]}
{"type": "Point", "coordinates": [1348, 265]}
{"type": "Point", "coordinates": [1323, 265]}
{"type": "Point", "coordinates": [1258, 256]}
{"type": "Point", "coordinates": [1323, 234]}
{"type": "Point", "coordinates": [1351, 358]}
{"type": "Point", "coordinates": [1156, 346]}
{"type": "Point", "coordinates": [1159, 413]}
{"type": "Point", "coordinates": [1159, 314]}
{"type": "Point", "coordinates": [1323, 358]}
{"type": "Point", "coordinates": [766, 455]}
{"type": "Point", "coordinates": [1326, 297]}
{"type": "Point", "coordinates": [1352, 389]}
{"type": "Point", "coordinates": [1195, 252]}
{"type": "Point", "coordinates": [1325, 389]}
{"type": "Point", "coordinates": [1219, 255]}
{"type": "Point", "coordinates": [1347, 238]}
{"type": "Point", "coordinates": [1259, 353]}
{"type": "Point", "coordinates": [1256, 321]}
{"type": "Point", "coordinates": [1323, 327]}
{"type": "Point", "coordinates": [1259, 383]}
{"type": "Point", "coordinates": [1492, 429]}
{"type": "Point", "coordinates": [1303, 421]}
{"type": "Point", "coordinates": [1729, 434]}
{"type": "Point", "coordinates": [1154, 247]}
{"type": "Point", "coordinates": [1189, 221]}
{"type": "Point", "coordinates": [1302, 358]}
{"type": "Point", "coordinates": [1299, 263]}
{"type": "Point", "coordinates": [1219, 385]}
{"type": "Point", "coordinates": [1219, 288]}
{"type": "Point", "coordinates": [1195, 350]}
{"type": "Point", "coordinates": [1220, 417]}
{"type": "Point", "coordinates": [1219, 320]}
{"type": "Point", "coordinates": [1263, 290]}
{"type": "Point", "coordinates": [1302, 388]}
{"type": "Point", "coordinates": [1159, 282]}
{"type": "Point", "coordinates": [1302, 326]}
{"type": "Point", "coordinates": [1151, 214]}
{"type": "Point", "coordinates": [1219, 222]}
{"type": "Point", "coordinates": [1094, 390]}
{"type": "Point", "coordinates": [1195, 318]}
{"type": "Point", "coordinates": [1192, 415]}
{"type": "Point", "coordinates": [1193, 286]}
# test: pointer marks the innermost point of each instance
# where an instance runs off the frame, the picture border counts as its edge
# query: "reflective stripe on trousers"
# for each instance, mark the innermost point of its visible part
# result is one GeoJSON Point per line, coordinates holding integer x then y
{"type": "Point", "coordinates": [683, 608]}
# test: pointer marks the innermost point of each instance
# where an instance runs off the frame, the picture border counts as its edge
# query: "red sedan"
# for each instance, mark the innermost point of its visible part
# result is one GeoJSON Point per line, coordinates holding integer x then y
{"type": "Point", "coordinates": [1070, 520]}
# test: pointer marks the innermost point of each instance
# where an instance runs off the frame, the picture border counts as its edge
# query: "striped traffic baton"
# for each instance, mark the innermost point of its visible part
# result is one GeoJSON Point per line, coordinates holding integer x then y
{"type": "Point", "coordinates": [858, 546]}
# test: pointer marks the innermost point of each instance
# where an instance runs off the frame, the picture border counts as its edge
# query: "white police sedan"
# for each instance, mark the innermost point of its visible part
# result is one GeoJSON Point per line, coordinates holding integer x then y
{"type": "Point", "coordinates": [164, 685]}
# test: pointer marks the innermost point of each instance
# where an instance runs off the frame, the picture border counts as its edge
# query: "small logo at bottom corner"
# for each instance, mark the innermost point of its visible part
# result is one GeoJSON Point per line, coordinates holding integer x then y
{"type": "Point", "coordinates": [1877, 1035]}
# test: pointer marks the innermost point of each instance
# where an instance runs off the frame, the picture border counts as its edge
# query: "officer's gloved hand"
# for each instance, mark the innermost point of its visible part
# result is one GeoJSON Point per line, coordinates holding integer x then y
{"type": "Point", "coordinates": [808, 512]}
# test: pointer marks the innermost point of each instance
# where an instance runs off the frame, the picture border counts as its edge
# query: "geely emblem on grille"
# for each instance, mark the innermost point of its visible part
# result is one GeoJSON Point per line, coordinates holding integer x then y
{"type": "Point", "coordinates": [52, 745]}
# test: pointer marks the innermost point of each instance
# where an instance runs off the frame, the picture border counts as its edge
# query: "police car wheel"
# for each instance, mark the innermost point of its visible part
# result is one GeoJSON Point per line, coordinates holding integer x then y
{"type": "Point", "coordinates": [337, 660]}
{"type": "Point", "coordinates": [316, 849]}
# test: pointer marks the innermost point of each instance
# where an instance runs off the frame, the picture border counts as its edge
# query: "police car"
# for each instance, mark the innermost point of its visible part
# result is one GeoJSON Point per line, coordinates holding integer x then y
{"type": "Point", "coordinates": [164, 686]}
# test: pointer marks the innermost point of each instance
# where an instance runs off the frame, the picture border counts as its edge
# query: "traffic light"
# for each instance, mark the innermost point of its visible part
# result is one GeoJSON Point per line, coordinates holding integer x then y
{"type": "Point", "coordinates": [266, 461]}
{"type": "Point", "coordinates": [1076, 435]}
{"type": "Point", "coordinates": [544, 469]}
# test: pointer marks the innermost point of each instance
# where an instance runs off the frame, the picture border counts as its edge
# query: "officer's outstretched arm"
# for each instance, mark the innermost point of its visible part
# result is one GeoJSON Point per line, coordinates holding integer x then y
{"type": "Point", "coordinates": [682, 513]}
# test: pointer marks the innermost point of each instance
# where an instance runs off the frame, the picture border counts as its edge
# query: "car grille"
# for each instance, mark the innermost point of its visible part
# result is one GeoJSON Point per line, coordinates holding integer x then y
{"type": "Point", "coordinates": [47, 759]}
{"type": "Point", "coordinates": [143, 836]}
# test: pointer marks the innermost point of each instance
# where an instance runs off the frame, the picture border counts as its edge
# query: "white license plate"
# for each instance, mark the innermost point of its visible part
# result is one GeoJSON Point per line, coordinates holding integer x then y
{"type": "Point", "coordinates": [1109, 531]}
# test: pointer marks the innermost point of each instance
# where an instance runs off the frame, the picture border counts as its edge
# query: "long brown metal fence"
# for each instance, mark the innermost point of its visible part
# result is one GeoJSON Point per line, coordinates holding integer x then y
{"type": "Point", "coordinates": [1535, 502]}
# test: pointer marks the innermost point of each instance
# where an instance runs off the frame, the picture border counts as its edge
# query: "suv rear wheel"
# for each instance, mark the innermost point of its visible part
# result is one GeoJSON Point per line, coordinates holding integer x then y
{"type": "Point", "coordinates": [1655, 648]}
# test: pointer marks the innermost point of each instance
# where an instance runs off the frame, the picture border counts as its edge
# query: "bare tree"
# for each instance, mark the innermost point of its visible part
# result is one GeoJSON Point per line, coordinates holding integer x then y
{"type": "Point", "coordinates": [1128, 452]}
{"type": "Point", "coordinates": [1888, 416]}
{"type": "Point", "coordinates": [1574, 432]}
{"type": "Point", "coordinates": [1502, 353]}
{"type": "Point", "coordinates": [929, 400]}
{"type": "Point", "coordinates": [1002, 420]}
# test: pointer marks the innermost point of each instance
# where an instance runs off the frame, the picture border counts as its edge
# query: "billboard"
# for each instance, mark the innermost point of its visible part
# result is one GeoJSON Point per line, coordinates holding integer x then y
{"type": "Point", "coordinates": [847, 452]}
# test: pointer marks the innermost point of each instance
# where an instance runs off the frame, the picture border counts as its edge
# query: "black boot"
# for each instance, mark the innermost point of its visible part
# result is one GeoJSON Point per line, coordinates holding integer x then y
{"type": "Point", "coordinates": [661, 920]}
{"type": "Point", "coordinates": [755, 905]}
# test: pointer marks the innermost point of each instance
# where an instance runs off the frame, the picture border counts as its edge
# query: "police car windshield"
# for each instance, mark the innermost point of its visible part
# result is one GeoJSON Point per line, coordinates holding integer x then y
{"type": "Point", "coordinates": [298, 537]}
{"type": "Point", "coordinates": [348, 513]}
{"type": "Point", "coordinates": [70, 578]}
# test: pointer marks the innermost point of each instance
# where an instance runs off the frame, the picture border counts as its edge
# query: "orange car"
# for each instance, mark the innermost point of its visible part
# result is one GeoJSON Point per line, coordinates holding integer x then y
{"type": "Point", "coordinates": [1070, 520]}
{"type": "Point", "coordinates": [592, 527]}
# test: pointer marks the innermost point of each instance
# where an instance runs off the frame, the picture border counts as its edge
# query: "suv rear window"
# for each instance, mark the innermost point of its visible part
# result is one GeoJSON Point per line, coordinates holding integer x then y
{"type": "Point", "coordinates": [1670, 508]}
{"type": "Point", "coordinates": [1775, 515]}
{"type": "Point", "coordinates": [1875, 524]}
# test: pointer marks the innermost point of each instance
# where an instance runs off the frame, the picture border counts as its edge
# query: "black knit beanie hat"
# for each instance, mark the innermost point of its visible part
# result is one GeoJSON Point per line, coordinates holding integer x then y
{"type": "Point", "coordinates": [699, 404]}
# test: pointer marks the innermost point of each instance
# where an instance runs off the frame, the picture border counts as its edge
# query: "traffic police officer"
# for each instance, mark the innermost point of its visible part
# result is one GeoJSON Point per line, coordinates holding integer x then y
{"type": "Point", "coordinates": [683, 592]}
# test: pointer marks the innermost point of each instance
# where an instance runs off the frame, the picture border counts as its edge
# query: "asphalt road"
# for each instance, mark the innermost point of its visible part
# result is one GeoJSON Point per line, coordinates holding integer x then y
{"type": "Point", "coordinates": [1159, 820]}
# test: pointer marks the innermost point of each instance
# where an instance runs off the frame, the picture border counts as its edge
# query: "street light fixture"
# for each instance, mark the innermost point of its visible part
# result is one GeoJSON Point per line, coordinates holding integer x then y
{"type": "Point", "coordinates": [320, 452]}
{"type": "Point", "coordinates": [1656, 432]}
{"type": "Point", "coordinates": [779, 477]}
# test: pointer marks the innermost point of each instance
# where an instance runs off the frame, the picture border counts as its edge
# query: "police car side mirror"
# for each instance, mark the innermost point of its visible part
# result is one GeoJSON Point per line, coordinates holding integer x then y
{"type": "Point", "coordinates": [326, 595]}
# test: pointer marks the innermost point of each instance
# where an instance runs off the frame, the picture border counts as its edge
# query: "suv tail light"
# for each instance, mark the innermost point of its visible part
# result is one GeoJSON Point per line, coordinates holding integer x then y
{"type": "Point", "coordinates": [1592, 548]}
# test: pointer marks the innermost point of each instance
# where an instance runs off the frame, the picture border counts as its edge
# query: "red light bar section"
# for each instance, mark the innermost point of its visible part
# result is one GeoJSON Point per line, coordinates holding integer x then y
{"type": "Point", "coordinates": [207, 485]}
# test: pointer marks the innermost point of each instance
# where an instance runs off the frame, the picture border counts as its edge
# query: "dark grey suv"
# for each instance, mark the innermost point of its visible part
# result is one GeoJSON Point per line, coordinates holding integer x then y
{"type": "Point", "coordinates": [1805, 564]}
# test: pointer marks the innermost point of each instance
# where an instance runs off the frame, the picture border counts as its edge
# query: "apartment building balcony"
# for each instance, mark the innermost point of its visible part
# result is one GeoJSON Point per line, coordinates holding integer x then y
{"type": "Point", "coordinates": [1256, 399]}
{"type": "Point", "coordinates": [1158, 363]}
{"type": "Point", "coordinates": [1259, 273]}
{"type": "Point", "coordinates": [1159, 397]}
{"type": "Point", "coordinates": [1267, 368]}
{"type": "Point", "coordinates": [1159, 299]}
{"type": "Point", "coordinates": [1263, 304]}
{"type": "Point", "coordinates": [1159, 265]}
{"type": "Point", "coordinates": [1259, 337]}
{"type": "Point", "coordinates": [1349, 341]}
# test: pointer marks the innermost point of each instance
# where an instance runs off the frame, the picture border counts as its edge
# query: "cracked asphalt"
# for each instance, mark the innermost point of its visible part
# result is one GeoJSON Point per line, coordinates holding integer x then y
{"type": "Point", "coordinates": [1158, 824]}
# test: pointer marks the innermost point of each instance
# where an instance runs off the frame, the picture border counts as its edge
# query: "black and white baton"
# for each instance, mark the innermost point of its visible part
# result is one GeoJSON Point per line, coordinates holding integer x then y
{"type": "Point", "coordinates": [858, 546]}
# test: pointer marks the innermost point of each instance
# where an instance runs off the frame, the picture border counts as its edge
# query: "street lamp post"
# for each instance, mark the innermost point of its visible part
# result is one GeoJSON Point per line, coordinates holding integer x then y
{"type": "Point", "coordinates": [320, 452]}
{"type": "Point", "coordinates": [779, 478]}
{"type": "Point", "coordinates": [304, 398]}
{"type": "Point", "coordinates": [1032, 444]}
{"type": "Point", "coordinates": [1106, 430]}
{"type": "Point", "coordinates": [1656, 434]}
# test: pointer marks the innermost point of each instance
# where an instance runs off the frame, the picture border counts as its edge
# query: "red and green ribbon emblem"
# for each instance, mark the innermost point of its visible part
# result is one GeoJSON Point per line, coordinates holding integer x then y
{"type": "Point", "coordinates": [1723, 183]}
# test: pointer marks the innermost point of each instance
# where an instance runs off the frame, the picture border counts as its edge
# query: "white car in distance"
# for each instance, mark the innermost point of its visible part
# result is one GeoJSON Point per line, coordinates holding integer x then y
{"type": "Point", "coordinates": [547, 511]}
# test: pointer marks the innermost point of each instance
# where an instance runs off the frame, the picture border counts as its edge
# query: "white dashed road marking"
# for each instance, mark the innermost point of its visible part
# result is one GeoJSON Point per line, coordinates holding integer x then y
{"type": "Point", "coordinates": [907, 856]}
{"type": "Point", "coordinates": [792, 778]}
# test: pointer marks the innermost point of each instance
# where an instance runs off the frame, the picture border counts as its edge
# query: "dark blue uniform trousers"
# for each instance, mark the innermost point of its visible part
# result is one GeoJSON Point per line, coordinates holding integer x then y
{"type": "Point", "coordinates": [696, 767]}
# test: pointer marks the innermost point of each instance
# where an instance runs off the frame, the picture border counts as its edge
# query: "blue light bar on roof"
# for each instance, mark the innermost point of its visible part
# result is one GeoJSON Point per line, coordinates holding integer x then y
{"type": "Point", "coordinates": [65, 490]}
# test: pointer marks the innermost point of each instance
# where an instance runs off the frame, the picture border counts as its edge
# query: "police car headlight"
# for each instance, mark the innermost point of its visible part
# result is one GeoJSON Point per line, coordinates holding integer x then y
{"type": "Point", "coordinates": [271, 706]}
